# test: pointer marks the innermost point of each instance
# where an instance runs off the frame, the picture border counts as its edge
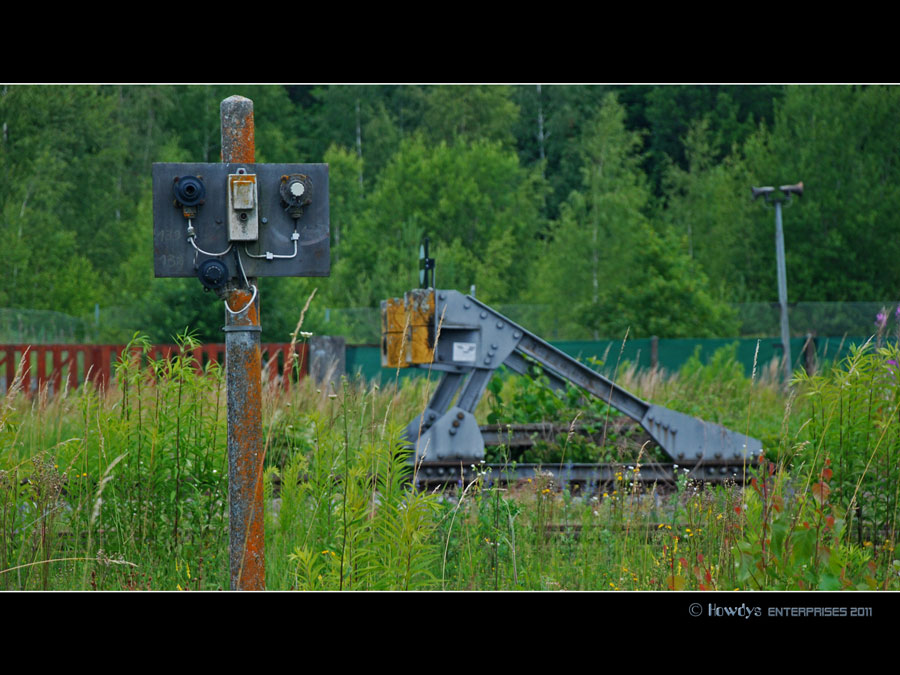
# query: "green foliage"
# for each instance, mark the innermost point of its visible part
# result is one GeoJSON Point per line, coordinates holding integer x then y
{"type": "Point", "coordinates": [527, 399]}
{"type": "Point", "coordinates": [707, 206]}
{"type": "Point", "coordinates": [841, 142]}
{"type": "Point", "coordinates": [143, 477]}
{"type": "Point", "coordinates": [852, 426]}
{"type": "Point", "coordinates": [617, 273]}
{"type": "Point", "coordinates": [469, 113]}
{"type": "Point", "coordinates": [348, 519]}
{"type": "Point", "coordinates": [631, 202]}
{"type": "Point", "coordinates": [797, 542]}
{"type": "Point", "coordinates": [473, 200]}
{"type": "Point", "coordinates": [125, 489]}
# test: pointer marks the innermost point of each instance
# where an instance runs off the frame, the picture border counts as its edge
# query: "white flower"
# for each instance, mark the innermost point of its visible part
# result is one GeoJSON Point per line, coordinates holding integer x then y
{"type": "Point", "coordinates": [303, 333]}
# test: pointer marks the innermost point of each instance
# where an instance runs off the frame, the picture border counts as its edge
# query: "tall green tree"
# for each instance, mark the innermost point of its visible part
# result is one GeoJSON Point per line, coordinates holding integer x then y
{"type": "Point", "coordinates": [470, 113]}
{"type": "Point", "coordinates": [472, 199]}
{"type": "Point", "coordinates": [61, 157]}
{"type": "Point", "coordinates": [842, 142]}
{"type": "Point", "coordinates": [611, 267]}
{"type": "Point", "coordinates": [708, 205]}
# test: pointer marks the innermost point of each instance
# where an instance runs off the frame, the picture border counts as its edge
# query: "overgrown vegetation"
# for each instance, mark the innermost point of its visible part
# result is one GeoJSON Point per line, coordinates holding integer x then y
{"type": "Point", "coordinates": [126, 489]}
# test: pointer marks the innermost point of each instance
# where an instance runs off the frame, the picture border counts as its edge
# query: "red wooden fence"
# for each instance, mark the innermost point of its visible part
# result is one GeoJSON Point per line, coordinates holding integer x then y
{"type": "Point", "coordinates": [68, 366]}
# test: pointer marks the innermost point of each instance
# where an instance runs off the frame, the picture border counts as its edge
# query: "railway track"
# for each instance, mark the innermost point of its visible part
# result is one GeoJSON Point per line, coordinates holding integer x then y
{"type": "Point", "coordinates": [579, 476]}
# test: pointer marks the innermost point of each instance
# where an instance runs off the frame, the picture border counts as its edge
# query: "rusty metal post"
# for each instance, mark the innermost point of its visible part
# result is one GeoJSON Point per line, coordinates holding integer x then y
{"type": "Point", "coordinates": [243, 387]}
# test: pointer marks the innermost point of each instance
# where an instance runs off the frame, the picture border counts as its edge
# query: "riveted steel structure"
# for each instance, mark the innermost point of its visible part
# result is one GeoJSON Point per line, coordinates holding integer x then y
{"type": "Point", "coordinates": [447, 331]}
{"type": "Point", "coordinates": [229, 224]}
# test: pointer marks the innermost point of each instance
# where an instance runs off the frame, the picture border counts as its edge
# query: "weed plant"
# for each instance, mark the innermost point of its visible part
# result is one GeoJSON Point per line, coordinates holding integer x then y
{"type": "Point", "coordinates": [348, 517]}
{"type": "Point", "coordinates": [100, 483]}
{"type": "Point", "coordinates": [125, 488]}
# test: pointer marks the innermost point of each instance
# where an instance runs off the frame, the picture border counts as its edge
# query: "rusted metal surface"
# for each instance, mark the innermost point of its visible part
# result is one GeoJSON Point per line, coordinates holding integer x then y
{"type": "Point", "coordinates": [394, 345]}
{"type": "Point", "coordinates": [238, 142]}
{"type": "Point", "coordinates": [407, 329]}
{"type": "Point", "coordinates": [420, 306]}
{"type": "Point", "coordinates": [243, 377]}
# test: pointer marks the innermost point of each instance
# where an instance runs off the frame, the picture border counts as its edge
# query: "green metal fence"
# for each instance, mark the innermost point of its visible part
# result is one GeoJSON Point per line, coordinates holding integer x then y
{"type": "Point", "coordinates": [671, 354]}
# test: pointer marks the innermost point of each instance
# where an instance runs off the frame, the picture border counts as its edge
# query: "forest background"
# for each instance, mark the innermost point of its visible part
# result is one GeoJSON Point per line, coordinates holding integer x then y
{"type": "Point", "coordinates": [618, 207]}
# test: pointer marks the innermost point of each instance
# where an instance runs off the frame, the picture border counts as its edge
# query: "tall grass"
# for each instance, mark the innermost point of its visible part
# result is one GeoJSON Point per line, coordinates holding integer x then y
{"type": "Point", "coordinates": [125, 488]}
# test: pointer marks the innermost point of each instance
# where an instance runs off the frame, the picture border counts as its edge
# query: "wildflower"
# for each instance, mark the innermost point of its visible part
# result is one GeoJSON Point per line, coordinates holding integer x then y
{"type": "Point", "coordinates": [306, 334]}
{"type": "Point", "coordinates": [881, 320]}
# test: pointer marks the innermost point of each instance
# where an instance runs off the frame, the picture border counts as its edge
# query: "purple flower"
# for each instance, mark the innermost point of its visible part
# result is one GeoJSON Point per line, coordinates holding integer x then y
{"type": "Point", "coordinates": [881, 320]}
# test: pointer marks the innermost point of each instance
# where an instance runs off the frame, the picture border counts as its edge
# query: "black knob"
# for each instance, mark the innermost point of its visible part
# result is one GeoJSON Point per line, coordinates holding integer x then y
{"type": "Point", "coordinates": [189, 190]}
{"type": "Point", "coordinates": [212, 274]}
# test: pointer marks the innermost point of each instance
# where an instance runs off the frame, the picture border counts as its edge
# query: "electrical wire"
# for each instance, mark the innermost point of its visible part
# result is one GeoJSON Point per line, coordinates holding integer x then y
{"type": "Point", "coordinates": [237, 255]}
{"type": "Point", "coordinates": [245, 307]}
{"type": "Point", "coordinates": [271, 256]}
{"type": "Point", "coordinates": [192, 236]}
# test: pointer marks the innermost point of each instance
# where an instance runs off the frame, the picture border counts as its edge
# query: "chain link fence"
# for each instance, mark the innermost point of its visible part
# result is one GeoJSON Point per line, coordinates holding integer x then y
{"type": "Point", "coordinates": [362, 325]}
{"type": "Point", "coordinates": [38, 326]}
